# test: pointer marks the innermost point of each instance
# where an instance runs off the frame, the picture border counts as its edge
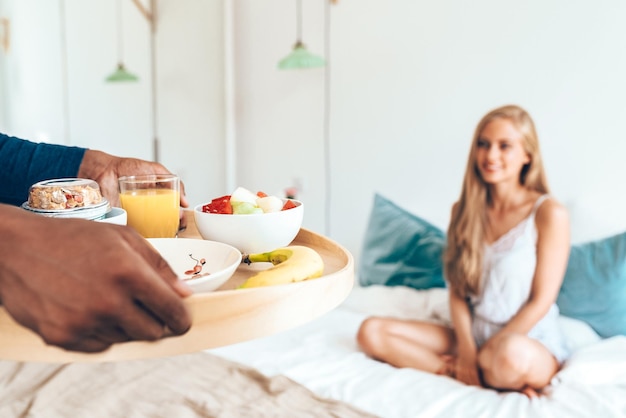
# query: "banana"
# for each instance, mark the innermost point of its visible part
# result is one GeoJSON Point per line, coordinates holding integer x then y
{"type": "Point", "coordinates": [293, 263]}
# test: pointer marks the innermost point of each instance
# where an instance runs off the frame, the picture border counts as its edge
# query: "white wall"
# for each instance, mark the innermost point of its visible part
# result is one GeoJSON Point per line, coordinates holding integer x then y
{"type": "Point", "coordinates": [3, 68]}
{"type": "Point", "coordinates": [34, 75]}
{"type": "Point", "coordinates": [113, 117]}
{"type": "Point", "coordinates": [61, 52]}
{"type": "Point", "coordinates": [280, 113]}
{"type": "Point", "coordinates": [408, 82]}
{"type": "Point", "coordinates": [446, 64]}
{"type": "Point", "coordinates": [191, 114]}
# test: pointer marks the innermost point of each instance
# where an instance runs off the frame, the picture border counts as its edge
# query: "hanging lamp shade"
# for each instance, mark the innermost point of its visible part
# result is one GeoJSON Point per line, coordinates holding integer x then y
{"type": "Point", "coordinates": [300, 57]}
{"type": "Point", "coordinates": [121, 74]}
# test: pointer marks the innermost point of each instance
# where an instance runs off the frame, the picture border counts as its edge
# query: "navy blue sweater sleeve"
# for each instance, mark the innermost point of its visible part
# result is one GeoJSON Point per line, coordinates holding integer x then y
{"type": "Point", "coordinates": [23, 163]}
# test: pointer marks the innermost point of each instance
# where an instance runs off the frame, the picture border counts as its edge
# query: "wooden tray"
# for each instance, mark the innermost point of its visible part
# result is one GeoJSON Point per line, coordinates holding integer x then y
{"type": "Point", "coordinates": [223, 317]}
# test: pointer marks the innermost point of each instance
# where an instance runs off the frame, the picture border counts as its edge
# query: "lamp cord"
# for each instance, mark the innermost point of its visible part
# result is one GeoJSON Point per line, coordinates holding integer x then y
{"type": "Point", "coordinates": [299, 21]}
{"type": "Point", "coordinates": [64, 75]}
{"type": "Point", "coordinates": [120, 33]}
{"type": "Point", "coordinates": [327, 168]}
{"type": "Point", "coordinates": [153, 85]}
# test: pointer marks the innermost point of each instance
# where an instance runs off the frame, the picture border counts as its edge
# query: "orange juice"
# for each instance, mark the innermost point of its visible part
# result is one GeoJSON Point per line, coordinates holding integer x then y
{"type": "Point", "coordinates": [154, 213]}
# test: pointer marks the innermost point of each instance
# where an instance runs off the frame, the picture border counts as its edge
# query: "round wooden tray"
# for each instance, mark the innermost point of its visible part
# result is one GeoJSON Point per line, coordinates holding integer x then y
{"type": "Point", "coordinates": [225, 316]}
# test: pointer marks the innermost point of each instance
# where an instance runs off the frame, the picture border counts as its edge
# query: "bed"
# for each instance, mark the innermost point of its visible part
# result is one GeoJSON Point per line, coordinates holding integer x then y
{"type": "Point", "coordinates": [323, 356]}
{"type": "Point", "coordinates": [317, 370]}
{"type": "Point", "coordinates": [400, 273]}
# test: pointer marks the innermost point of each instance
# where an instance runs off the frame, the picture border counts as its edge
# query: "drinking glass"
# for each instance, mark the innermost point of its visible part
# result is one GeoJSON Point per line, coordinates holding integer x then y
{"type": "Point", "coordinates": [152, 203]}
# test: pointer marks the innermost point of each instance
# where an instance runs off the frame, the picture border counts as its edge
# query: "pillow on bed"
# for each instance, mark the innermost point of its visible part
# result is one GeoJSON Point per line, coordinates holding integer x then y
{"type": "Point", "coordinates": [401, 249]}
{"type": "Point", "coordinates": [594, 287]}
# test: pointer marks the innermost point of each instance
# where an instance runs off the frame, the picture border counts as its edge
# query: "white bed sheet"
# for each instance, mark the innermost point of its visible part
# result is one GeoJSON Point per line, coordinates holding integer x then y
{"type": "Point", "coordinates": [323, 356]}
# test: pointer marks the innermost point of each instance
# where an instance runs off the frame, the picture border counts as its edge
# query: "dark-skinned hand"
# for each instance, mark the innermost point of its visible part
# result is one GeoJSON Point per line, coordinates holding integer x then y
{"type": "Point", "coordinates": [85, 285]}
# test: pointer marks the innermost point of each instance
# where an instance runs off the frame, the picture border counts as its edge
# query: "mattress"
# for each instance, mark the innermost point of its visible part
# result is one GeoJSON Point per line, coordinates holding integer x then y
{"type": "Point", "coordinates": [323, 356]}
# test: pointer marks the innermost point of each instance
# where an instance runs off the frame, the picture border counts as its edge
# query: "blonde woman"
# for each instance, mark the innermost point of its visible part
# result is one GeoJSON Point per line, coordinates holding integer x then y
{"type": "Point", "coordinates": [507, 251]}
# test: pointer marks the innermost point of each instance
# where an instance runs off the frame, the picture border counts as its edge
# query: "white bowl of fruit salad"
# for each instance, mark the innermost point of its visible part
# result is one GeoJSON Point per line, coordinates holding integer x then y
{"type": "Point", "coordinates": [250, 222]}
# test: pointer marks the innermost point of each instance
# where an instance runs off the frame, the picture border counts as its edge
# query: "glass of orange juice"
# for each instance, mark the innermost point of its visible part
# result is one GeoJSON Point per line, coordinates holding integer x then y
{"type": "Point", "coordinates": [152, 203]}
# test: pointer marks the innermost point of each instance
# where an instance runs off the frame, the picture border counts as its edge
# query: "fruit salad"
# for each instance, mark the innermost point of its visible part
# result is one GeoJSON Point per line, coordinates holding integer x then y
{"type": "Point", "coordinates": [243, 202]}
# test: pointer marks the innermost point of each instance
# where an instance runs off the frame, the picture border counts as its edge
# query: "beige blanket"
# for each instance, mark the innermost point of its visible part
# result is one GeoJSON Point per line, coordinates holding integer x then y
{"type": "Point", "coordinates": [194, 385]}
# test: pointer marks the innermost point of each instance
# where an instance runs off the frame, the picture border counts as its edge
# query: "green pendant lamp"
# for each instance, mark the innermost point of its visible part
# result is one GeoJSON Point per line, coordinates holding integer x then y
{"type": "Point", "coordinates": [300, 57]}
{"type": "Point", "coordinates": [121, 74]}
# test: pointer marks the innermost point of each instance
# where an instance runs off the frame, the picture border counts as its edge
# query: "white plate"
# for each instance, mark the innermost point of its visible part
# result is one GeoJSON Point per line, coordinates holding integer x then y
{"type": "Point", "coordinates": [94, 212]}
{"type": "Point", "coordinates": [116, 216]}
{"type": "Point", "coordinates": [204, 265]}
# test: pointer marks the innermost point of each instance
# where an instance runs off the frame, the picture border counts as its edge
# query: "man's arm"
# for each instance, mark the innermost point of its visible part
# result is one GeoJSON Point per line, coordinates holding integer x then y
{"type": "Point", "coordinates": [24, 163]}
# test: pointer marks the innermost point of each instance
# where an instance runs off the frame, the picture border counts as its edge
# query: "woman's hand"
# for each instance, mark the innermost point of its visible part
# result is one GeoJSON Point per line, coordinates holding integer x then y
{"type": "Point", "coordinates": [466, 369]}
{"type": "Point", "coordinates": [84, 285]}
{"type": "Point", "coordinates": [105, 169]}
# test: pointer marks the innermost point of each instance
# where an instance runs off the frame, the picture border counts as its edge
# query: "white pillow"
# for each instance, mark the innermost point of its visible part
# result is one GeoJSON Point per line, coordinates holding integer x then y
{"type": "Point", "coordinates": [577, 333]}
{"type": "Point", "coordinates": [399, 302]}
{"type": "Point", "coordinates": [602, 363]}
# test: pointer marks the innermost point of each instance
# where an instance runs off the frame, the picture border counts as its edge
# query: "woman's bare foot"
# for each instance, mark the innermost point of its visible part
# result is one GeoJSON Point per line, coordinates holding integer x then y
{"type": "Point", "coordinates": [530, 392]}
{"type": "Point", "coordinates": [449, 365]}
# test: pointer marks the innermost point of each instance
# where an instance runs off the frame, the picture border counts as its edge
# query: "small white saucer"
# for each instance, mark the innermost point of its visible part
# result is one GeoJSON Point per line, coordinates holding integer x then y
{"type": "Point", "coordinates": [114, 216]}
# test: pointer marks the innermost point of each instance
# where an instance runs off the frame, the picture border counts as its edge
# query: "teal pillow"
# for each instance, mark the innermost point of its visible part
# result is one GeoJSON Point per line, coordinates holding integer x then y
{"type": "Point", "coordinates": [594, 286]}
{"type": "Point", "coordinates": [401, 249]}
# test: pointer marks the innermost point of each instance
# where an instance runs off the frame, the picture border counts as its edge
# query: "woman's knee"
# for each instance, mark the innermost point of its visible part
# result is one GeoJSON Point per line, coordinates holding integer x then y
{"type": "Point", "coordinates": [369, 334]}
{"type": "Point", "coordinates": [505, 362]}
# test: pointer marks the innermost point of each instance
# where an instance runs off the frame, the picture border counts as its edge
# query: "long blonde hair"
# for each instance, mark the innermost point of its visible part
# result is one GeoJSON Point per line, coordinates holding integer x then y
{"type": "Point", "coordinates": [466, 233]}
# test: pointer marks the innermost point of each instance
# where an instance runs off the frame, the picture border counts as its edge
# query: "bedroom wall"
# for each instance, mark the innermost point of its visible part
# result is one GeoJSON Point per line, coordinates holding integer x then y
{"type": "Point", "coordinates": [62, 50]}
{"type": "Point", "coordinates": [32, 81]}
{"type": "Point", "coordinates": [3, 101]}
{"type": "Point", "coordinates": [407, 81]}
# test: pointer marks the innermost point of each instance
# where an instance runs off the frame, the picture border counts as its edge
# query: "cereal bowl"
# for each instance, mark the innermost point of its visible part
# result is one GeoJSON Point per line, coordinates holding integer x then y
{"type": "Point", "coordinates": [203, 265]}
{"type": "Point", "coordinates": [251, 233]}
{"type": "Point", "coordinates": [67, 198]}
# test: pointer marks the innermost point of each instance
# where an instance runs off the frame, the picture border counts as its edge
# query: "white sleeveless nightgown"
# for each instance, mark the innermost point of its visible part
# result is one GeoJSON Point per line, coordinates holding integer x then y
{"type": "Point", "coordinates": [509, 268]}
